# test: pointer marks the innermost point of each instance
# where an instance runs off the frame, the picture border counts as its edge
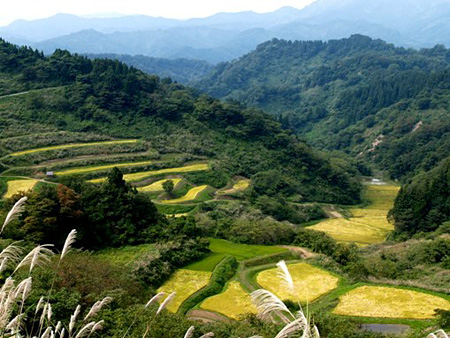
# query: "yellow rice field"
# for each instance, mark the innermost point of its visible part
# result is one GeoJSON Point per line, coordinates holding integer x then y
{"type": "Point", "coordinates": [158, 185]}
{"type": "Point", "coordinates": [241, 185]}
{"type": "Point", "coordinates": [72, 145]}
{"type": "Point", "coordinates": [368, 225]}
{"type": "Point", "coordinates": [177, 215]}
{"type": "Point", "coordinates": [309, 282]}
{"type": "Point", "coordinates": [146, 174]}
{"type": "Point", "coordinates": [387, 302]}
{"type": "Point", "coordinates": [184, 283]}
{"type": "Point", "coordinates": [102, 167]}
{"type": "Point", "coordinates": [191, 195]}
{"type": "Point", "coordinates": [234, 302]}
{"type": "Point", "coordinates": [19, 185]}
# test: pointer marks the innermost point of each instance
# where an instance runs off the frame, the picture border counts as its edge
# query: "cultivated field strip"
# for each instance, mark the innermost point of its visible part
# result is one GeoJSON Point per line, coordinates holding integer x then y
{"type": "Point", "coordinates": [233, 302]}
{"type": "Point", "coordinates": [158, 185]}
{"type": "Point", "coordinates": [309, 282]}
{"type": "Point", "coordinates": [82, 170]}
{"type": "Point", "coordinates": [16, 186]}
{"type": "Point", "coordinates": [136, 177]}
{"type": "Point", "coordinates": [72, 145]}
{"type": "Point", "coordinates": [190, 196]}
{"type": "Point", "coordinates": [184, 283]}
{"type": "Point", "coordinates": [369, 224]}
{"type": "Point", "coordinates": [389, 302]}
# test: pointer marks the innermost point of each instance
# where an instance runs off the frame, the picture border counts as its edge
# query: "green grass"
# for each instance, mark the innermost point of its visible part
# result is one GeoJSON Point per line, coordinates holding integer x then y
{"type": "Point", "coordinates": [220, 248]}
{"type": "Point", "coordinates": [241, 251]}
{"type": "Point", "coordinates": [126, 254]}
{"type": "Point", "coordinates": [206, 264]}
{"type": "Point", "coordinates": [81, 170]}
{"type": "Point", "coordinates": [73, 145]}
{"type": "Point", "coordinates": [174, 209]}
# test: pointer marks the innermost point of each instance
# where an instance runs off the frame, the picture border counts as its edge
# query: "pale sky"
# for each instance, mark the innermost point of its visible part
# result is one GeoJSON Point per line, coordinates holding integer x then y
{"type": "Point", "coordinates": [180, 9]}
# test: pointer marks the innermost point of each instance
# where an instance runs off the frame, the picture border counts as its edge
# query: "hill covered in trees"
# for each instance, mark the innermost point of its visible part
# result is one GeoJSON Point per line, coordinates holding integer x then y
{"type": "Point", "coordinates": [109, 98]}
{"type": "Point", "coordinates": [363, 96]}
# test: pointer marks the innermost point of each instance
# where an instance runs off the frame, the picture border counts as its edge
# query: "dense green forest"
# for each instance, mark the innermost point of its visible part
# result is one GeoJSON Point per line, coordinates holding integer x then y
{"type": "Point", "coordinates": [362, 96]}
{"type": "Point", "coordinates": [180, 70]}
{"type": "Point", "coordinates": [424, 204]}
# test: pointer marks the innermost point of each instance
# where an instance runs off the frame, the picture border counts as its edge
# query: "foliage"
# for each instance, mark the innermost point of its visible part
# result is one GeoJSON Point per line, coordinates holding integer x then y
{"type": "Point", "coordinates": [423, 204]}
{"type": "Point", "coordinates": [156, 267]}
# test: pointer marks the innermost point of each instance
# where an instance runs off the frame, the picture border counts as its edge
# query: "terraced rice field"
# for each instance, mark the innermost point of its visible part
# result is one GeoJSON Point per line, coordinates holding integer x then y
{"type": "Point", "coordinates": [220, 248]}
{"type": "Point", "coordinates": [368, 225]}
{"type": "Point", "coordinates": [83, 170]}
{"type": "Point", "coordinates": [16, 186]}
{"type": "Point", "coordinates": [233, 303]}
{"type": "Point", "coordinates": [241, 185]}
{"type": "Point", "coordinates": [158, 185]}
{"type": "Point", "coordinates": [126, 255]}
{"type": "Point", "coordinates": [387, 302]}
{"type": "Point", "coordinates": [73, 145]}
{"type": "Point", "coordinates": [309, 282]}
{"type": "Point", "coordinates": [184, 283]}
{"type": "Point", "coordinates": [190, 196]}
{"type": "Point", "coordinates": [146, 174]}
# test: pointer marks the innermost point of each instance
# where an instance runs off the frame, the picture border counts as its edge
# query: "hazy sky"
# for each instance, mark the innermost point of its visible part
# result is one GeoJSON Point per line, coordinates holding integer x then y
{"type": "Point", "coordinates": [180, 9]}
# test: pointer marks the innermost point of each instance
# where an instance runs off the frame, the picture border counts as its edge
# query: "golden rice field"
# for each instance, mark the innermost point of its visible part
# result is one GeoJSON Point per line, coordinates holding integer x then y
{"type": "Point", "coordinates": [72, 145]}
{"type": "Point", "coordinates": [309, 282]}
{"type": "Point", "coordinates": [146, 174]}
{"type": "Point", "coordinates": [18, 185]}
{"type": "Point", "coordinates": [158, 185]}
{"type": "Point", "coordinates": [191, 195]}
{"type": "Point", "coordinates": [387, 302]}
{"type": "Point", "coordinates": [368, 225]}
{"type": "Point", "coordinates": [184, 283]}
{"type": "Point", "coordinates": [102, 167]}
{"type": "Point", "coordinates": [241, 185]}
{"type": "Point", "coordinates": [177, 215]}
{"type": "Point", "coordinates": [234, 302]}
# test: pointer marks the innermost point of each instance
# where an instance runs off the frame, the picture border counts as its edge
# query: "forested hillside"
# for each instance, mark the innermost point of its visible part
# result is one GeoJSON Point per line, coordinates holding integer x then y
{"type": "Point", "coordinates": [109, 98]}
{"type": "Point", "coordinates": [363, 96]}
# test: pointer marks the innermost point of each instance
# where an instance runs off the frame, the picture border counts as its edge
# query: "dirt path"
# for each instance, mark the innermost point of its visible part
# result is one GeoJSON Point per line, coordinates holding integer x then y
{"type": "Point", "coordinates": [206, 316]}
{"type": "Point", "coordinates": [304, 253]}
{"type": "Point", "coordinates": [15, 94]}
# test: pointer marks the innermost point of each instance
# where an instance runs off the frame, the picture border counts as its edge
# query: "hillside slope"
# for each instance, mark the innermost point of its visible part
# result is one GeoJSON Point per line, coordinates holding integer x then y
{"type": "Point", "coordinates": [71, 93]}
{"type": "Point", "coordinates": [359, 95]}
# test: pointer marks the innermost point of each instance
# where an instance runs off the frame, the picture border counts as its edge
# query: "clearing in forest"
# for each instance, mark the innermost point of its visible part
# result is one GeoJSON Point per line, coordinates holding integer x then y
{"type": "Point", "coordinates": [190, 196]}
{"type": "Point", "coordinates": [309, 282]}
{"type": "Point", "coordinates": [82, 170]}
{"type": "Point", "coordinates": [146, 174]}
{"type": "Point", "coordinates": [72, 145]}
{"type": "Point", "coordinates": [16, 186]}
{"type": "Point", "coordinates": [184, 283]}
{"type": "Point", "coordinates": [158, 185]}
{"type": "Point", "coordinates": [369, 224]}
{"type": "Point", "coordinates": [389, 302]}
{"type": "Point", "coordinates": [233, 303]}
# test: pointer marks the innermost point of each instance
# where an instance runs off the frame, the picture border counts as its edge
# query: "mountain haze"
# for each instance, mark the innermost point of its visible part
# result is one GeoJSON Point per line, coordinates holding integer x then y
{"type": "Point", "coordinates": [224, 36]}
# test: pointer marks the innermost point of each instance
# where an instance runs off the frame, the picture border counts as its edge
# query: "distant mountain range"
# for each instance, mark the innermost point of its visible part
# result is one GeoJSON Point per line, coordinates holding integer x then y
{"type": "Point", "coordinates": [224, 36]}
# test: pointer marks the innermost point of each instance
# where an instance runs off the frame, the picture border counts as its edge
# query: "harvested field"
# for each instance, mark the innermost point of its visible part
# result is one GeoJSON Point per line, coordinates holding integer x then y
{"type": "Point", "coordinates": [190, 196]}
{"type": "Point", "coordinates": [388, 302]}
{"type": "Point", "coordinates": [309, 282]}
{"type": "Point", "coordinates": [16, 186]}
{"type": "Point", "coordinates": [146, 174]}
{"type": "Point", "coordinates": [158, 185]}
{"type": "Point", "coordinates": [184, 283]}
{"type": "Point", "coordinates": [72, 145]}
{"type": "Point", "coordinates": [233, 303]}
{"type": "Point", "coordinates": [368, 225]}
{"type": "Point", "coordinates": [82, 170]}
